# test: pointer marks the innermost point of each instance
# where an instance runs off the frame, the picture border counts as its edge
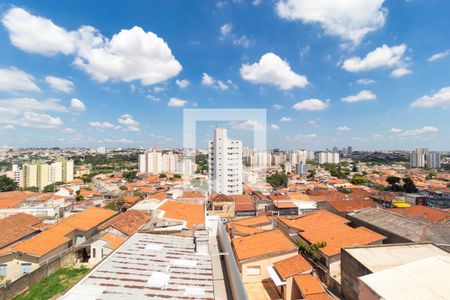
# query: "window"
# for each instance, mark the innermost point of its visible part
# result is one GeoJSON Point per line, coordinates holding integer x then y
{"type": "Point", "coordinates": [253, 270]}
{"type": "Point", "coordinates": [25, 268]}
{"type": "Point", "coordinates": [94, 252]}
{"type": "Point", "coordinates": [102, 253]}
{"type": "Point", "coordinates": [218, 207]}
{"type": "Point", "coordinates": [3, 270]}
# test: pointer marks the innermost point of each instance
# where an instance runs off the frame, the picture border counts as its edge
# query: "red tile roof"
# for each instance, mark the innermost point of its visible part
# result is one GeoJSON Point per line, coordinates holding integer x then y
{"type": "Point", "coordinates": [292, 266]}
{"type": "Point", "coordinates": [351, 205]}
{"type": "Point", "coordinates": [128, 222]}
{"type": "Point", "coordinates": [311, 288]}
{"type": "Point", "coordinates": [254, 221]}
{"type": "Point", "coordinates": [428, 213]}
{"type": "Point", "coordinates": [16, 227]}
{"type": "Point", "coordinates": [243, 203]}
{"type": "Point", "coordinates": [192, 213]}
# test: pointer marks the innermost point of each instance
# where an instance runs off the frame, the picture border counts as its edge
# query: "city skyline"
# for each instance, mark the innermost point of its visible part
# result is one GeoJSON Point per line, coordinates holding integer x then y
{"type": "Point", "coordinates": [73, 75]}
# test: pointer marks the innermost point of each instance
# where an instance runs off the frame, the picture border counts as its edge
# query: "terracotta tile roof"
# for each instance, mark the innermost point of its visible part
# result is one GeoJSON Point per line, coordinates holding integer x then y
{"type": "Point", "coordinates": [244, 230]}
{"type": "Point", "coordinates": [158, 196]}
{"type": "Point", "coordinates": [266, 243]}
{"type": "Point", "coordinates": [243, 203]}
{"type": "Point", "coordinates": [310, 287]}
{"type": "Point", "coordinates": [17, 195]}
{"type": "Point", "coordinates": [332, 195]}
{"type": "Point", "coordinates": [9, 203]}
{"type": "Point", "coordinates": [16, 227]}
{"type": "Point", "coordinates": [351, 205]}
{"type": "Point", "coordinates": [292, 266]}
{"type": "Point", "coordinates": [192, 195]}
{"type": "Point", "coordinates": [298, 196]}
{"type": "Point", "coordinates": [192, 213]}
{"type": "Point", "coordinates": [254, 221]}
{"type": "Point", "coordinates": [428, 213]}
{"type": "Point", "coordinates": [310, 220]}
{"type": "Point", "coordinates": [114, 241]}
{"type": "Point", "coordinates": [128, 222]}
{"type": "Point", "coordinates": [221, 198]}
{"type": "Point", "coordinates": [284, 204]}
{"type": "Point", "coordinates": [131, 199]}
{"type": "Point", "coordinates": [55, 236]}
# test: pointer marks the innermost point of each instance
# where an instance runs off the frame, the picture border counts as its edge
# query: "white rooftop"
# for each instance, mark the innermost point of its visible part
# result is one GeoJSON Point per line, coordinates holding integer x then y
{"type": "Point", "coordinates": [381, 257]}
{"type": "Point", "coordinates": [427, 278]}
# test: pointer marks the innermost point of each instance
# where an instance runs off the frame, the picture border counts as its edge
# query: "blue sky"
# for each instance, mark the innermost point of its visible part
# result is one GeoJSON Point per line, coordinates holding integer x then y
{"type": "Point", "coordinates": [373, 74]}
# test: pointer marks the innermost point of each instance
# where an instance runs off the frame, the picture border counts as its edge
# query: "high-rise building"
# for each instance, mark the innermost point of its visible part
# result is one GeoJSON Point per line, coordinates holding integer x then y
{"type": "Point", "coordinates": [328, 157]}
{"type": "Point", "coordinates": [150, 162]}
{"type": "Point", "coordinates": [433, 160]}
{"type": "Point", "coordinates": [101, 150]}
{"type": "Point", "coordinates": [39, 174]}
{"type": "Point", "coordinates": [301, 169]}
{"type": "Point", "coordinates": [225, 164]}
{"type": "Point", "coordinates": [418, 158]}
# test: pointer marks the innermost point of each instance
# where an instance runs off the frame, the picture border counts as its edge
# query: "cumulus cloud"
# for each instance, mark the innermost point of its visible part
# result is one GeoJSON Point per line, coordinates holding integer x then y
{"type": "Point", "coordinates": [249, 125]}
{"type": "Point", "coordinates": [343, 128]}
{"type": "Point", "coordinates": [132, 54]}
{"type": "Point", "coordinates": [350, 20]}
{"type": "Point", "coordinates": [182, 83]}
{"type": "Point", "coordinates": [208, 80]}
{"type": "Point", "coordinates": [226, 29]}
{"type": "Point", "coordinates": [364, 95]}
{"type": "Point", "coordinates": [300, 137]}
{"type": "Point", "coordinates": [32, 104]}
{"type": "Point", "coordinates": [32, 119]}
{"type": "Point", "coordinates": [219, 84]}
{"type": "Point", "coordinates": [77, 105]}
{"type": "Point", "coordinates": [311, 105]}
{"type": "Point", "coordinates": [101, 125]}
{"type": "Point", "coordinates": [419, 131]}
{"type": "Point", "coordinates": [15, 80]}
{"type": "Point", "coordinates": [175, 102]}
{"type": "Point", "coordinates": [60, 84]}
{"type": "Point", "coordinates": [439, 56]}
{"type": "Point", "coordinates": [364, 81]}
{"type": "Point", "coordinates": [227, 34]}
{"type": "Point", "coordinates": [271, 69]}
{"type": "Point", "coordinates": [277, 106]}
{"type": "Point", "coordinates": [395, 130]}
{"type": "Point", "coordinates": [286, 119]}
{"type": "Point", "coordinates": [128, 123]}
{"type": "Point", "coordinates": [68, 130]}
{"type": "Point", "coordinates": [381, 57]}
{"type": "Point", "coordinates": [400, 72]}
{"type": "Point", "coordinates": [439, 99]}
{"type": "Point", "coordinates": [274, 126]}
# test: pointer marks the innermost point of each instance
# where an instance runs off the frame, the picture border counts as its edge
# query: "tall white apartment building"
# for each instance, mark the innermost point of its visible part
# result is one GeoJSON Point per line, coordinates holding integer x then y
{"type": "Point", "coordinates": [225, 164]}
{"type": "Point", "coordinates": [433, 160]}
{"type": "Point", "coordinates": [150, 162]}
{"type": "Point", "coordinates": [169, 162]}
{"type": "Point", "coordinates": [39, 174]}
{"type": "Point", "coordinates": [422, 158]}
{"type": "Point", "coordinates": [299, 157]}
{"type": "Point", "coordinates": [328, 157]}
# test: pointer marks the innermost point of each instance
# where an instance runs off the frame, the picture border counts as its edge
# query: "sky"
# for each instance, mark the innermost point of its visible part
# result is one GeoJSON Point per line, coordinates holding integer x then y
{"type": "Point", "coordinates": [373, 74]}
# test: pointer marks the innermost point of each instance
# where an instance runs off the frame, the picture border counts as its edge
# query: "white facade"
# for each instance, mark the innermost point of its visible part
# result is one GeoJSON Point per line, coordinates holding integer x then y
{"type": "Point", "coordinates": [169, 162]}
{"type": "Point", "coordinates": [433, 160]}
{"type": "Point", "coordinates": [150, 162]}
{"type": "Point", "coordinates": [422, 158]}
{"type": "Point", "coordinates": [328, 157]}
{"type": "Point", "coordinates": [225, 164]}
{"type": "Point", "coordinates": [41, 174]}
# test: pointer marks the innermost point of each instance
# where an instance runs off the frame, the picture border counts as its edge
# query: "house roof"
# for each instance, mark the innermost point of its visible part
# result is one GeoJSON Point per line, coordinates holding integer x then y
{"type": "Point", "coordinates": [192, 195]}
{"type": "Point", "coordinates": [55, 236]}
{"type": "Point", "coordinates": [428, 213]}
{"type": "Point", "coordinates": [192, 213]}
{"type": "Point", "coordinates": [284, 204]}
{"type": "Point", "coordinates": [292, 266]}
{"type": "Point", "coordinates": [16, 227]}
{"type": "Point", "coordinates": [310, 287]}
{"type": "Point", "coordinates": [351, 205]}
{"type": "Point", "coordinates": [310, 220]}
{"type": "Point", "coordinates": [266, 243]}
{"type": "Point", "coordinates": [243, 230]}
{"type": "Point", "coordinates": [114, 241]}
{"type": "Point", "coordinates": [131, 199]}
{"type": "Point", "coordinates": [158, 196]}
{"type": "Point", "coordinates": [254, 221]}
{"type": "Point", "coordinates": [222, 198]}
{"type": "Point", "coordinates": [243, 203]}
{"type": "Point", "coordinates": [128, 222]}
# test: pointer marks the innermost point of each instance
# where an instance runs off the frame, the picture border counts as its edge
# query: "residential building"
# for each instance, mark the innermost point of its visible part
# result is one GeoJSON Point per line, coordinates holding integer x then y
{"type": "Point", "coordinates": [301, 168]}
{"type": "Point", "coordinates": [359, 261]}
{"type": "Point", "coordinates": [221, 205]}
{"type": "Point", "coordinates": [254, 253]}
{"type": "Point", "coordinates": [225, 164]}
{"type": "Point", "coordinates": [191, 215]}
{"type": "Point", "coordinates": [328, 157]}
{"type": "Point", "coordinates": [433, 160]}
{"type": "Point", "coordinates": [422, 158]}
{"type": "Point", "coordinates": [39, 174]}
{"type": "Point", "coordinates": [309, 287]}
{"type": "Point", "coordinates": [150, 162]}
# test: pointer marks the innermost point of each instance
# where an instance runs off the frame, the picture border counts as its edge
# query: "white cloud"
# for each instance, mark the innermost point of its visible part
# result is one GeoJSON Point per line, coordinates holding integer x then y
{"type": "Point", "coordinates": [400, 72]}
{"type": "Point", "coordinates": [286, 119]}
{"type": "Point", "coordinates": [226, 29]}
{"type": "Point", "coordinates": [377, 136]}
{"type": "Point", "coordinates": [31, 119]}
{"type": "Point", "coordinates": [249, 125]}
{"type": "Point", "coordinates": [272, 69]}
{"type": "Point", "coordinates": [222, 86]}
{"type": "Point", "coordinates": [419, 131]}
{"type": "Point", "coordinates": [8, 127]}
{"type": "Point", "coordinates": [131, 54]}
{"type": "Point", "coordinates": [256, 2]}
{"type": "Point", "coordinates": [37, 34]}
{"type": "Point", "coordinates": [439, 99]}
{"type": "Point", "coordinates": [350, 19]}
{"type": "Point", "coordinates": [208, 80]}
{"type": "Point", "coordinates": [243, 41]}
{"type": "Point", "coordinates": [364, 81]}
{"type": "Point", "coordinates": [381, 57]}
{"type": "Point", "coordinates": [303, 136]}
{"type": "Point", "coordinates": [182, 83]}
{"type": "Point", "coordinates": [364, 95]}
{"type": "Point", "coordinates": [395, 130]}
{"type": "Point", "coordinates": [15, 80]}
{"type": "Point", "coordinates": [101, 125]}
{"type": "Point", "coordinates": [128, 122]}
{"type": "Point", "coordinates": [68, 130]}
{"type": "Point", "coordinates": [343, 128]}
{"type": "Point", "coordinates": [311, 105]}
{"type": "Point", "coordinates": [32, 104]}
{"type": "Point", "coordinates": [277, 106]}
{"type": "Point", "coordinates": [77, 105]}
{"type": "Point", "coordinates": [60, 84]}
{"type": "Point", "coordinates": [274, 126]}
{"type": "Point", "coordinates": [119, 141]}
{"type": "Point", "coordinates": [439, 56]}
{"type": "Point", "coordinates": [175, 102]}
{"type": "Point", "coordinates": [159, 89]}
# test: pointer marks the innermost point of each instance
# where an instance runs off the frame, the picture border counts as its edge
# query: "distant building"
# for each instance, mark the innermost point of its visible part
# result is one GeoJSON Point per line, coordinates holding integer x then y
{"type": "Point", "coordinates": [39, 174]}
{"type": "Point", "coordinates": [101, 150]}
{"type": "Point", "coordinates": [150, 162]}
{"type": "Point", "coordinates": [422, 158]}
{"type": "Point", "coordinates": [301, 169]}
{"type": "Point", "coordinates": [328, 157]}
{"type": "Point", "coordinates": [225, 164]}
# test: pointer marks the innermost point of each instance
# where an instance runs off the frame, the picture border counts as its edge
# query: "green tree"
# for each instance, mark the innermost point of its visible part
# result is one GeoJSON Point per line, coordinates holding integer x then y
{"type": "Point", "coordinates": [7, 184]}
{"type": "Point", "coordinates": [162, 175]}
{"type": "Point", "coordinates": [311, 175]}
{"type": "Point", "coordinates": [311, 251]}
{"type": "Point", "coordinates": [394, 183]}
{"type": "Point", "coordinates": [431, 175]}
{"type": "Point", "coordinates": [358, 179]}
{"type": "Point", "coordinates": [78, 196]}
{"type": "Point", "coordinates": [278, 180]}
{"type": "Point", "coordinates": [50, 188]}
{"type": "Point", "coordinates": [129, 175]}
{"type": "Point", "coordinates": [409, 186]}
{"type": "Point", "coordinates": [177, 176]}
